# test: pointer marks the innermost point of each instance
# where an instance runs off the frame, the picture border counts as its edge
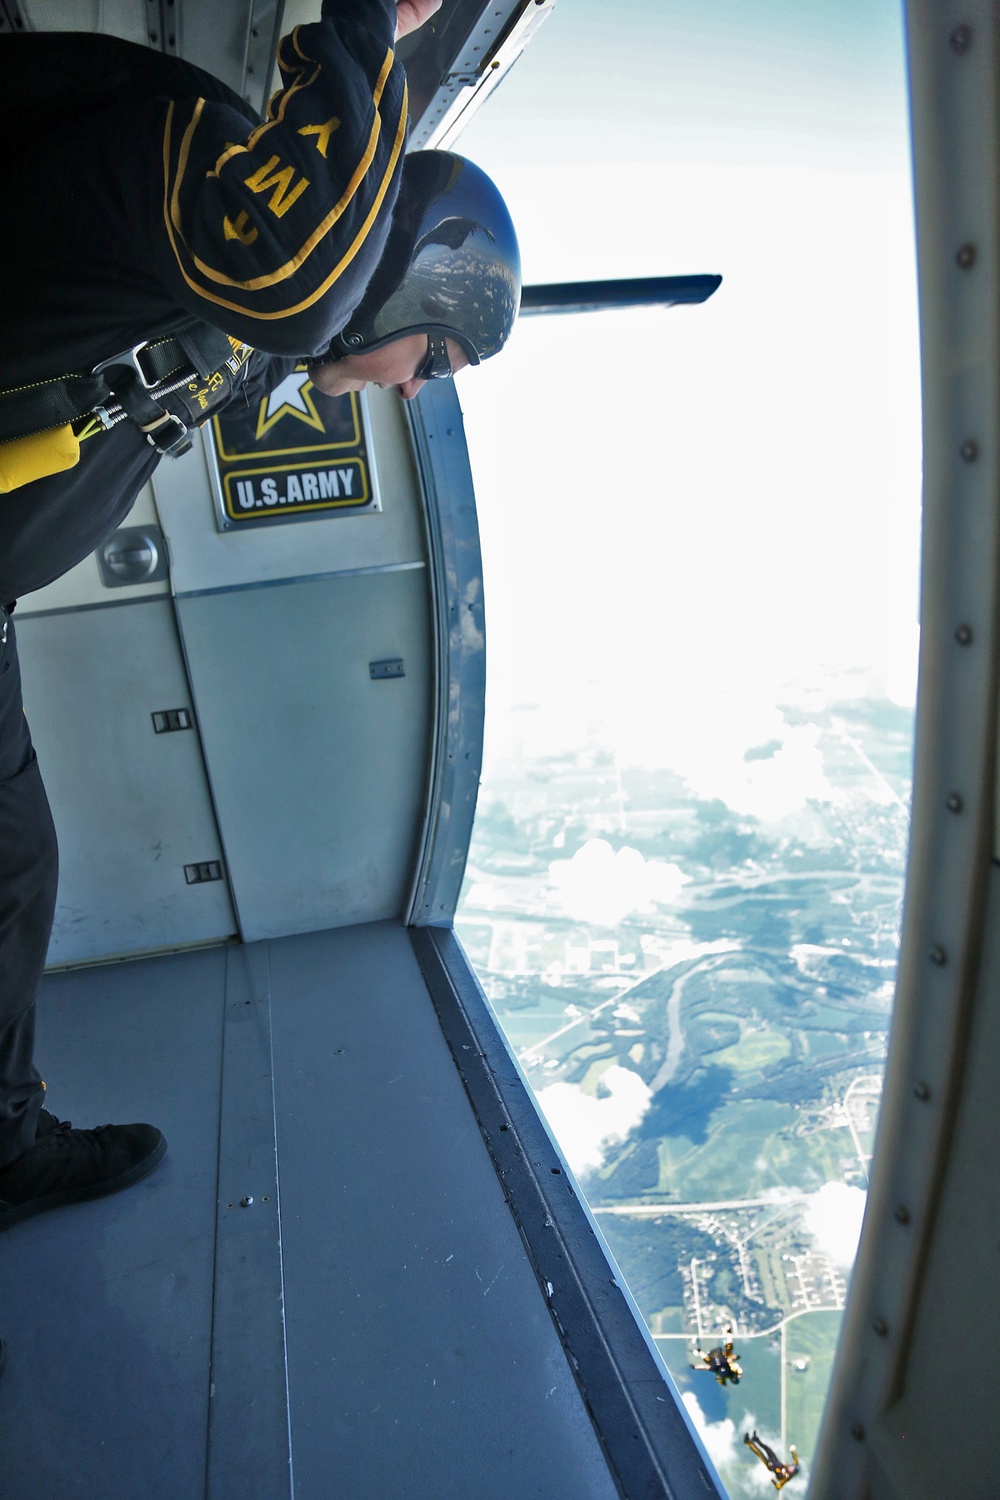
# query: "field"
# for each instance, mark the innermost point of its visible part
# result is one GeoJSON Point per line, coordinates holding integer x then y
{"type": "Point", "coordinates": [700, 1002]}
{"type": "Point", "coordinates": [811, 1340]}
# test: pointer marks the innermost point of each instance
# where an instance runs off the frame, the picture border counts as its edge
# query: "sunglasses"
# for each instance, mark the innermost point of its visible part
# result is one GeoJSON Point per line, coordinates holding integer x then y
{"type": "Point", "coordinates": [436, 365]}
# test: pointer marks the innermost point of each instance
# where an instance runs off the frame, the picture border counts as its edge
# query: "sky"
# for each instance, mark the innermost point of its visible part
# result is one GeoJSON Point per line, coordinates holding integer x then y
{"type": "Point", "coordinates": [699, 514]}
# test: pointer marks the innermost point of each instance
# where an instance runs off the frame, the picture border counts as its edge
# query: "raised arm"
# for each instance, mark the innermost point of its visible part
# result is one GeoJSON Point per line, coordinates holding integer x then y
{"type": "Point", "coordinates": [273, 232]}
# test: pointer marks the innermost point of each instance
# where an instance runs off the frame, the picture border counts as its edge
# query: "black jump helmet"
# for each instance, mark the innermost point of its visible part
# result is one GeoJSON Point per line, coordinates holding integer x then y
{"type": "Point", "coordinates": [450, 267]}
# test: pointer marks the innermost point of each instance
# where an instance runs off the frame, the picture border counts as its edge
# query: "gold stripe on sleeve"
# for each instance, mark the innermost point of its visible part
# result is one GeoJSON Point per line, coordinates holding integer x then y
{"type": "Point", "coordinates": [286, 98]}
{"type": "Point", "coordinates": [258, 283]}
{"type": "Point", "coordinates": [341, 266]}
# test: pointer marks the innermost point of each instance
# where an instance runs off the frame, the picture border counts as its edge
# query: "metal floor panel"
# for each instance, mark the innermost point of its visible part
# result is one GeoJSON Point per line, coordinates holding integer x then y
{"type": "Point", "coordinates": [106, 1307]}
{"type": "Point", "coordinates": [421, 1357]}
{"type": "Point", "coordinates": [422, 1360]}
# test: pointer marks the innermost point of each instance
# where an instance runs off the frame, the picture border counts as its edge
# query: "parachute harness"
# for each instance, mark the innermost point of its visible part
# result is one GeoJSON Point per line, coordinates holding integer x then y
{"type": "Point", "coordinates": [43, 424]}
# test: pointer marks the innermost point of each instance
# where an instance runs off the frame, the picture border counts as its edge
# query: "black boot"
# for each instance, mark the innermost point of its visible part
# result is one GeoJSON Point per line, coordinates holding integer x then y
{"type": "Point", "coordinates": [68, 1166]}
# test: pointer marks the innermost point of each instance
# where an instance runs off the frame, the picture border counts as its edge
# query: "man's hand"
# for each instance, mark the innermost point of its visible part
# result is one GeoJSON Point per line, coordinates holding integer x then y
{"type": "Point", "coordinates": [413, 13]}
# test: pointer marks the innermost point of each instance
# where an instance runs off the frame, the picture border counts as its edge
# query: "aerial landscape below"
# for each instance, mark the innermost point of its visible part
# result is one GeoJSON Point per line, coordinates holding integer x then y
{"type": "Point", "coordinates": [700, 1000]}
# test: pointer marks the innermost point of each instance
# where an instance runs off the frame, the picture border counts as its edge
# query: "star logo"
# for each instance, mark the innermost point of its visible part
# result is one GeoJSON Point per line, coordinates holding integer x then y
{"type": "Point", "coordinates": [292, 398]}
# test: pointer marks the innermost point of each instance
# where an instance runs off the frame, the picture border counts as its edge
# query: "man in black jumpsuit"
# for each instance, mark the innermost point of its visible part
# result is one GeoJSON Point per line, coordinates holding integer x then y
{"type": "Point", "coordinates": [722, 1361]}
{"type": "Point", "coordinates": [140, 195]}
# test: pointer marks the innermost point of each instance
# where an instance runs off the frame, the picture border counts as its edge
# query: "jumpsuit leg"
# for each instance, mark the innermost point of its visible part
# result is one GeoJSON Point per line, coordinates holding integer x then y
{"type": "Point", "coordinates": [29, 864]}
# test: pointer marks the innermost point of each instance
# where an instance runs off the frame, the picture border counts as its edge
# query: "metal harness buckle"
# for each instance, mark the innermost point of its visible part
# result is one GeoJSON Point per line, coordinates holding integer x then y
{"type": "Point", "coordinates": [166, 433]}
{"type": "Point", "coordinates": [173, 446]}
{"type": "Point", "coordinates": [130, 359]}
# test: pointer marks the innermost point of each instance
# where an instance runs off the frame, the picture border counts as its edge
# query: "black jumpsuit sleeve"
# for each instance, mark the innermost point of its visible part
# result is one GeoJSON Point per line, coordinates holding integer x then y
{"type": "Point", "coordinates": [273, 232]}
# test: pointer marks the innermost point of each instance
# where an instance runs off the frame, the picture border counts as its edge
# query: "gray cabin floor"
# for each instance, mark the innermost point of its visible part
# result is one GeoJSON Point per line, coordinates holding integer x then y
{"type": "Point", "coordinates": [384, 1335]}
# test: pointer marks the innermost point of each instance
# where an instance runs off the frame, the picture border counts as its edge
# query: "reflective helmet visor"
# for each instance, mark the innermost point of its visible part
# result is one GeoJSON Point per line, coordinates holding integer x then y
{"type": "Point", "coordinates": [451, 264]}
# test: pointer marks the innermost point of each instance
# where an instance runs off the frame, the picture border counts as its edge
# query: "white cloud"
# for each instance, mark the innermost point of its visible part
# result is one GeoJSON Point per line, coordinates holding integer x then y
{"type": "Point", "coordinates": [583, 1125]}
{"type": "Point", "coordinates": [719, 1438]}
{"type": "Point", "coordinates": [602, 886]}
{"type": "Point", "coordinates": [784, 769]}
{"type": "Point", "coordinates": [834, 1216]}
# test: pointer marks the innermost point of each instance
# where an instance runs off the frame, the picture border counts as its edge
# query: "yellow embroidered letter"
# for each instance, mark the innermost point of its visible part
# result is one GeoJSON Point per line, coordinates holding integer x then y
{"type": "Point", "coordinates": [272, 175]}
{"type": "Point", "coordinates": [240, 230]}
{"type": "Point", "coordinates": [322, 134]}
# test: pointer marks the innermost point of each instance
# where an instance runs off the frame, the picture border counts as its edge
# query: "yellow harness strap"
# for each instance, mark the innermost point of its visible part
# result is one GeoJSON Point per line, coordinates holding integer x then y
{"type": "Point", "coordinates": [34, 457]}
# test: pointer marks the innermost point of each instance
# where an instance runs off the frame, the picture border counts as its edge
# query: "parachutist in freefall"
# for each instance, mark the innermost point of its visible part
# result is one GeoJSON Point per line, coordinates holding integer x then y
{"type": "Point", "coordinates": [722, 1362]}
{"type": "Point", "coordinates": [781, 1473]}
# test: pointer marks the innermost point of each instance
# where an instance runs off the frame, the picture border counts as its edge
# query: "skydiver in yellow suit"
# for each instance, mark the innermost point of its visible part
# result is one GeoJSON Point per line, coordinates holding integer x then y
{"type": "Point", "coordinates": [782, 1473]}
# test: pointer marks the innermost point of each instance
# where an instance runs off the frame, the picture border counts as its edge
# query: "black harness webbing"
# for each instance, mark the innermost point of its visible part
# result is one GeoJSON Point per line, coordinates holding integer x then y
{"type": "Point", "coordinates": [135, 381]}
{"type": "Point", "coordinates": [50, 403]}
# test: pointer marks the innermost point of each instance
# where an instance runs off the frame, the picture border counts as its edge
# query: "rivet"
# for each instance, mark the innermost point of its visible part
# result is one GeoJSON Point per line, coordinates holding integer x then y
{"type": "Point", "coordinates": [858, 1432]}
{"type": "Point", "coordinates": [960, 39]}
{"type": "Point", "coordinates": [938, 956]}
{"type": "Point", "coordinates": [953, 802]}
{"type": "Point", "coordinates": [969, 451]}
{"type": "Point", "coordinates": [556, 1171]}
{"type": "Point", "coordinates": [246, 1202]}
{"type": "Point", "coordinates": [965, 257]}
{"type": "Point", "coordinates": [901, 1214]}
{"type": "Point", "coordinates": [963, 635]}
{"type": "Point", "coordinates": [922, 1091]}
{"type": "Point", "coordinates": [881, 1327]}
{"type": "Point", "coordinates": [504, 1127]}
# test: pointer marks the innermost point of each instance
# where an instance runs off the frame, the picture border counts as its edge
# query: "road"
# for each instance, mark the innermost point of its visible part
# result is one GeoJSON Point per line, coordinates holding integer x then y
{"type": "Point", "coordinates": [649, 1210]}
{"type": "Point", "coordinates": [871, 1084]}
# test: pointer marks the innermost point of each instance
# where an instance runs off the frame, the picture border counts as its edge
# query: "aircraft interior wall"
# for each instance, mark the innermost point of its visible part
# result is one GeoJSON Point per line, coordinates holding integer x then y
{"type": "Point", "coordinates": [300, 779]}
{"type": "Point", "coordinates": [907, 1413]}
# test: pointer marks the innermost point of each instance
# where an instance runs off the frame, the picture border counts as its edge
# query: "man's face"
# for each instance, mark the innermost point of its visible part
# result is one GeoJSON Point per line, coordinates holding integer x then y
{"type": "Point", "coordinates": [393, 365]}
